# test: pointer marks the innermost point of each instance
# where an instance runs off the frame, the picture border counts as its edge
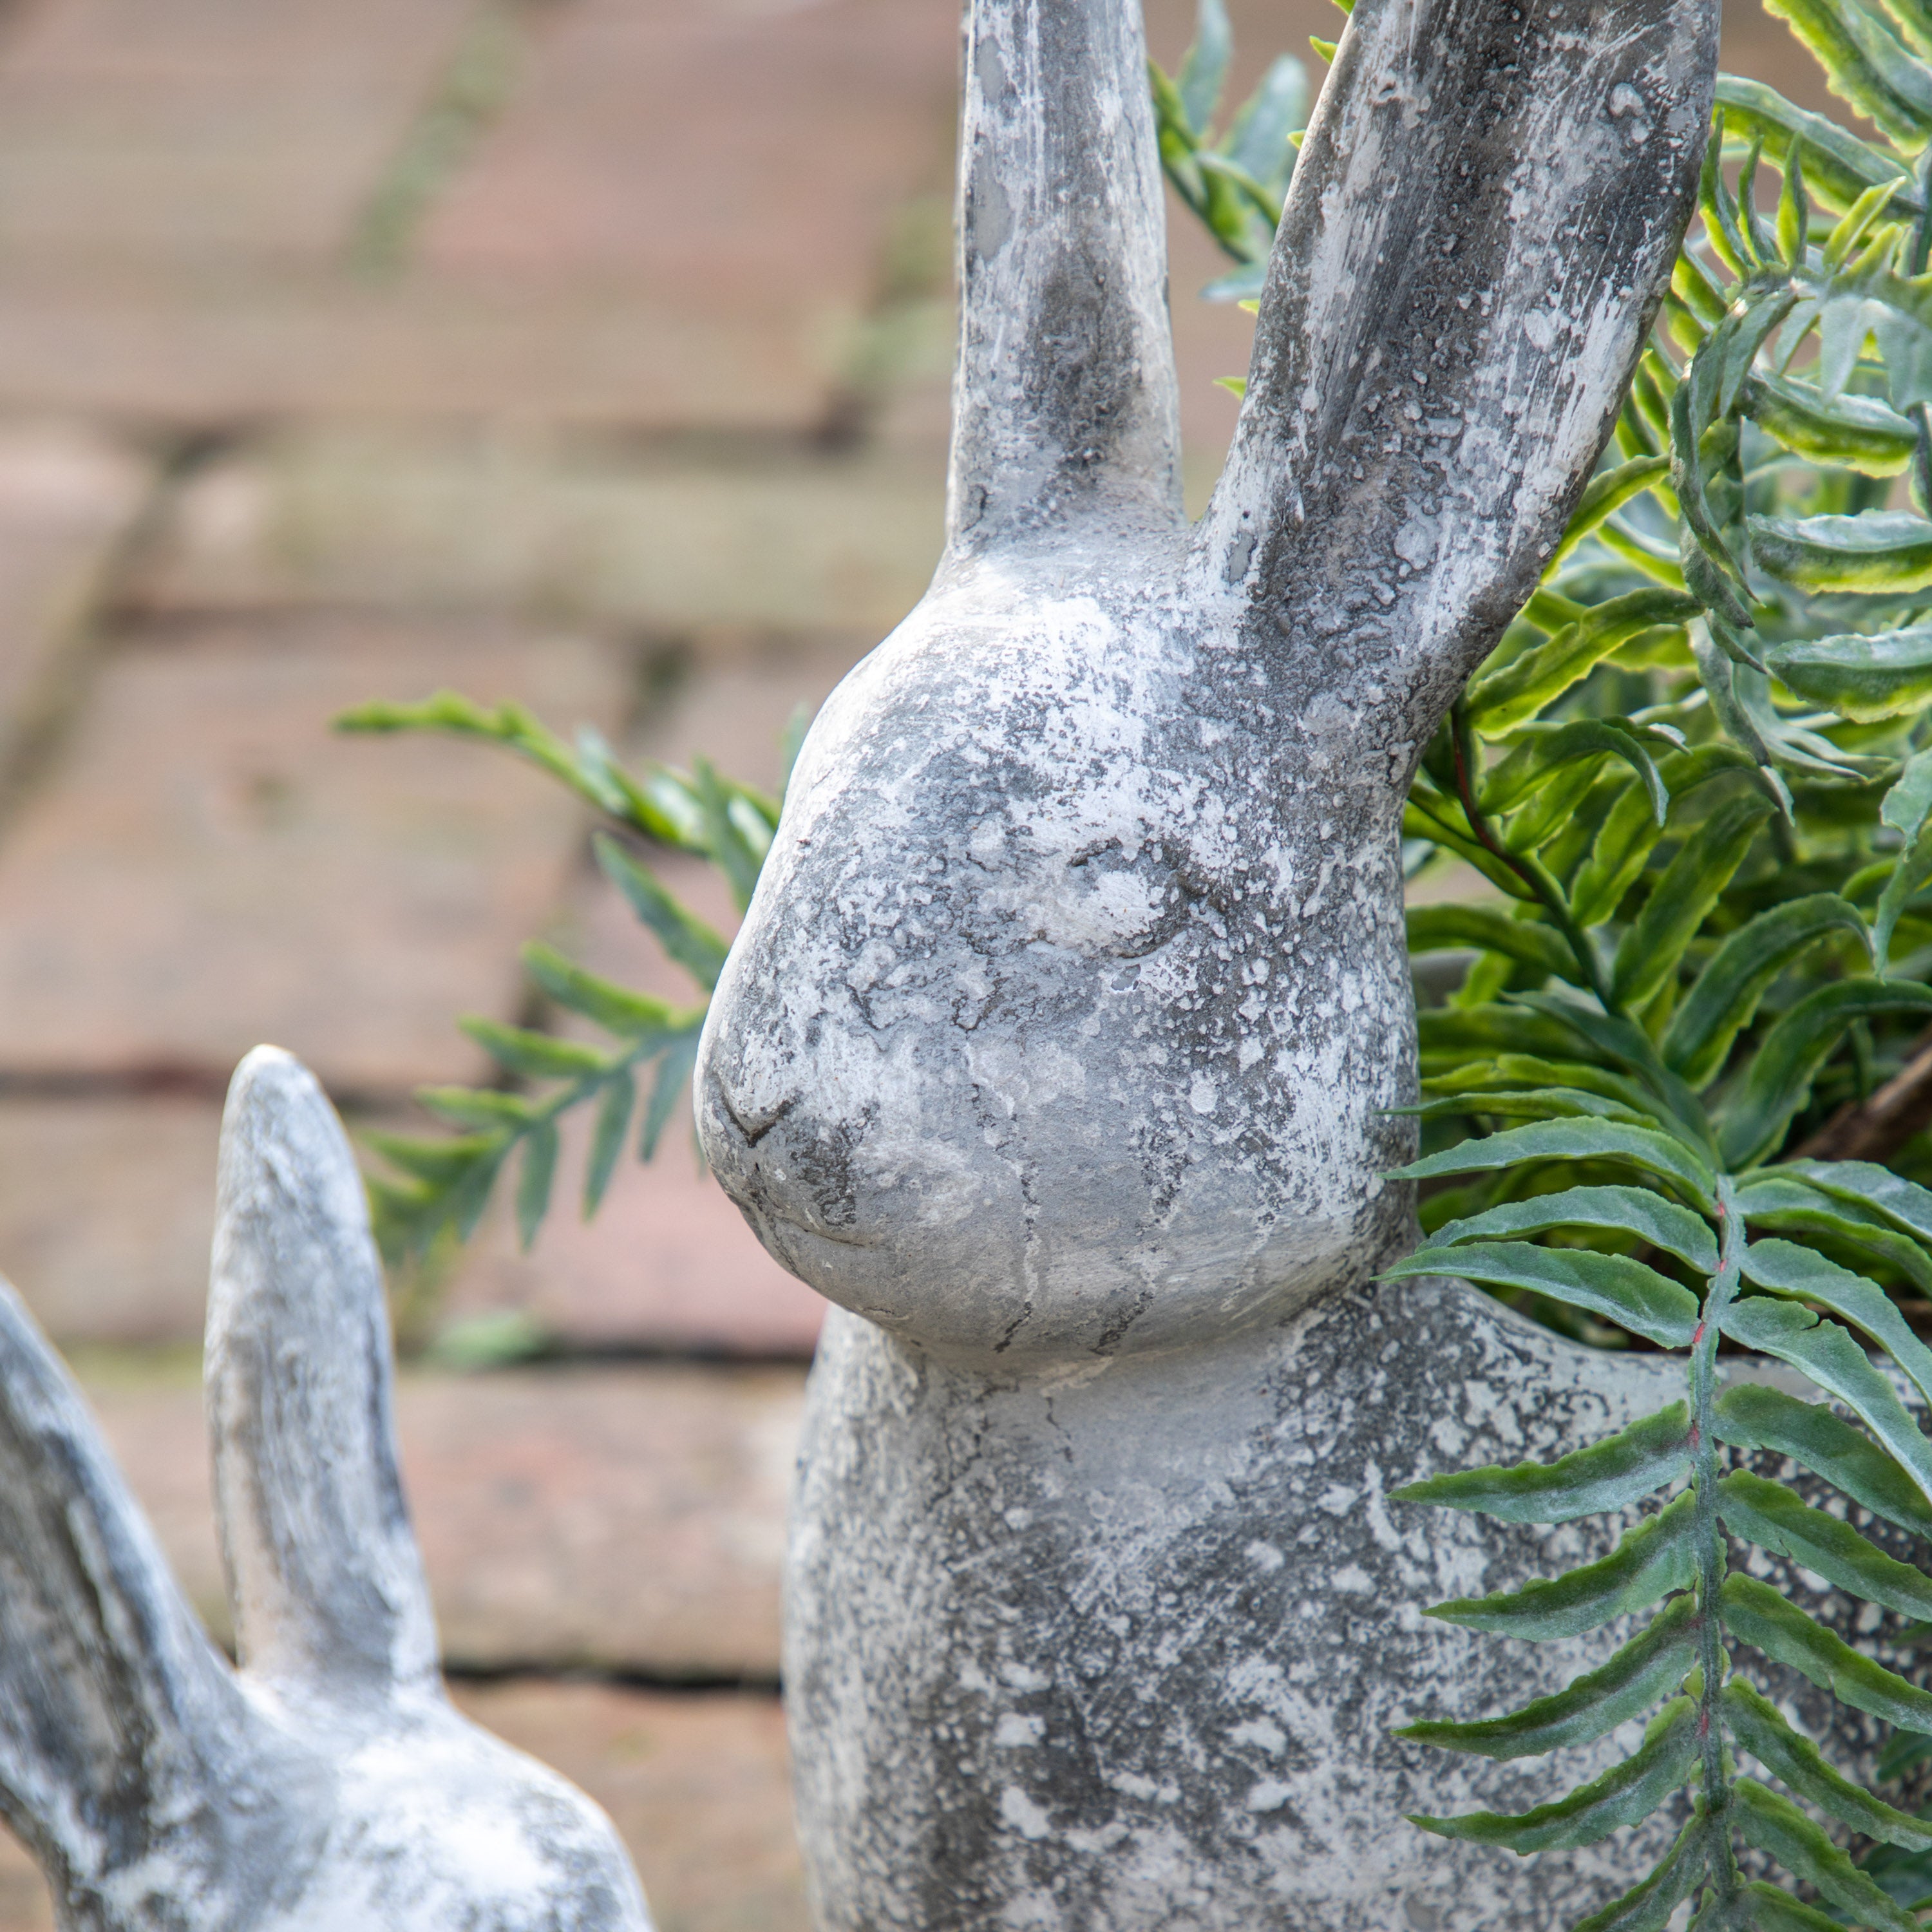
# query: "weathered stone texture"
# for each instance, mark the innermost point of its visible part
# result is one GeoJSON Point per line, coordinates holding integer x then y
{"type": "Point", "coordinates": [1147, 1626]}
{"type": "Point", "coordinates": [696, 1785]}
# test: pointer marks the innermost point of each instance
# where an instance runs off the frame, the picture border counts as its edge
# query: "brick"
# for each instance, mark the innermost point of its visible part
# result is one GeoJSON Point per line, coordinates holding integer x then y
{"type": "Point", "coordinates": [666, 541]}
{"type": "Point", "coordinates": [667, 1264]}
{"type": "Point", "coordinates": [107, 1210]}
{"type": "Point", "coordinates": [625, 1519]}
{"type": "Point", "coordinates": [68, 495]}
{"type": "Point", "coordinates": [175, 346]}
{"type": "Point", "coordinates": [189, 128]}
{"type": "Point", "coordinates": [698, 1785]}
{"type": "Point", "coordinates": [25, 1904]}
{"type": "Point", "coordinates": [210, 867]}
{"type": "Point", "coordinates": [629, 1518]}
{"type": "Point", "coordinates": [750, 157]}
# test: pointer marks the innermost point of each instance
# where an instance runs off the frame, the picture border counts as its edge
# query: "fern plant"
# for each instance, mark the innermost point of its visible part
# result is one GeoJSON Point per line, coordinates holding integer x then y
{"type": "Point", "coordinates": [1642, 1200]}
{"type": "Point", "coordinates": [1235, 181]}
{"type": "Point", "coordinates": [446, 1183]}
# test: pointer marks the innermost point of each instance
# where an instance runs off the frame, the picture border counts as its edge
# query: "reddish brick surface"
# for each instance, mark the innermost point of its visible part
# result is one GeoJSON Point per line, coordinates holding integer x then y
{"type": "Point", "coordinates": [667, 1264]}
{"type": "Point", "coordinates": [176, 346]}
{"type": "Point", "coordinates": [627, 1518]}
{"type": "Point", "coordinates": [698, 1785]}
{"type": "Point", "coordinates": [768, 537]}
{"type": "Point", "coordinates": [747, 155]}
{"type": "Point", "coordinates": [212, 868]}
{"type": "Point", "coordinates": [25, 1906]}
{"type": "Point", "coordinates": [107, 1210]}
{"type": "Point", "coordinates": [67, 495]}
{"type": "Point", "coordinates": [184, 127]}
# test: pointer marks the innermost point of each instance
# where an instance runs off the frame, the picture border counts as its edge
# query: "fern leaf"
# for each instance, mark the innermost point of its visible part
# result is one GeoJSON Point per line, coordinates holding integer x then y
{"type": "Point", "coordinates": [1541, 752]}
{"type": "Point", "coordinates": [1653, 949]}
{"type": "Point", "coordinates": [1838, 166]}
{"type": "Point", "coordinates": [441, 1163]}
{"type": "Point", "coordinates": [1829, 1356]}
{"type": "Point", "coordinates": [1541, 1103]}
{"type": "Point", "coordinates": [1852, 432]}
{"type": "Point", "coordinates": [1647, 1907]}
{"type": "Point", "coordinates": [694, 945]}
{"type": "Point", "coordinates": [1773, 1201]}
{"type": "Point", "coordinates": [1621, 1469]}
{"type": "Point", "coordinates": [1751, 1124]}
{"type": "Point", "coordinates": [1636, 1211]}
{"type": "Point", "coordinates": [1631, 833]}
{"type": "Point", "coordinates": [1764, 1908]}
{"type": "Point", "coordinates": [1451, 1036]}
{"type": "Point", "coordinates": [1904, 1203]}
{"type": "Point", "coordinates": [674, 1071]}
{"type": "Point", "coordinates": [1756, 1724]}
{"type": "Point", "coordinates": [1614, 1285]}
{"type": "Point", "coordinates": [1752, 1415]}
{"type": "Point", "coordinates": [1508, 1071]}
{"type": "Point", "coordinates": [482, 1108]}
{"type": "Point", "coordinates": [1767, 1514]}
{"type": "Point", "coordinates": [534, 1183]}
{"type": "Point", "coordinates": [1776, 1825]}
{"type": "Point", "coordinates": [1626, 1794]}
{"type": "Point", "coordinates": [1643, 1148]}
{"type": "Point", "coordinates": [534, 1056]}
{"type": "Point", "coordinates": [1648, 1667]}
{"type": "Point", "coordinates": [1756, 1614]}
{"type": "Point", "coordinates": [1432, 929]}
{"type": "Point", "coordinates": [614, 1008]}
{"type": "Point", "coordinates": [1787, 1269]}
{"type": "Point", "coordinates": [1726, 996]}
{"type": "Point", "coordinates": [607, 1140]}
{"type": "Point", "coordinates": [1657, 1556]}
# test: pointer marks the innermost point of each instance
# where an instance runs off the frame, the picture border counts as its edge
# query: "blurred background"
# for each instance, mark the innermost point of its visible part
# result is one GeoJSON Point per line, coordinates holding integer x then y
{"type": "Point", "coordinates": [591, 353]}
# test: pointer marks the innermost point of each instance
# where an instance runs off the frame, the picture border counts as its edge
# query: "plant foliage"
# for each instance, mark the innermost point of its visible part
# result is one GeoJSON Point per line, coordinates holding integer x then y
{"type": "Point", "coordinates": [444, 1184]}
{"type": "Point", "coordinates": [1696, 773]}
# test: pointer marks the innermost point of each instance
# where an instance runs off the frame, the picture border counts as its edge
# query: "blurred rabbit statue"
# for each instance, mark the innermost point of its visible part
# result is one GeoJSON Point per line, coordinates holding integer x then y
{"type": "Point", "coordinates": [327, 1783]}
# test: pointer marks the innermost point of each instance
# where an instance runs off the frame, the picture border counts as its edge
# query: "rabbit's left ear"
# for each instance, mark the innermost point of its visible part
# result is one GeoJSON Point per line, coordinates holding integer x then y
{"type": "Point", "coordinates": [130, 1761]}
{"type": "Point", "coordinates": [330, 1599]}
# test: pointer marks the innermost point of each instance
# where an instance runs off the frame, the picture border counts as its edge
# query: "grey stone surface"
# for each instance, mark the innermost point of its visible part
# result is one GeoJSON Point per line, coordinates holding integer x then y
{"type": "Point", "coordinates": [1146, 1627]}
{"type": "Point", "coordinates": [328, 1783]}
{"type": "Point", "coordinates": [1057, 1045]}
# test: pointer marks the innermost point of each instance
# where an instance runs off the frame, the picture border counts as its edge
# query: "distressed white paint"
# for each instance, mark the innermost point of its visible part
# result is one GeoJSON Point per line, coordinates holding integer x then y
{"type": "Point", "coordinates": [1058, 1042]}
{"type": "Point", "coordinates": [328, 1784]}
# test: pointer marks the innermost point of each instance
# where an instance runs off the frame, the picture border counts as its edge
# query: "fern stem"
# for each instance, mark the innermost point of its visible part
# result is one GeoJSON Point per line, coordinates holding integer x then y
{"type": "Point", "coordinates": [1713, 1549]}
{"type": "Point", "coordinates": [1535, 876]}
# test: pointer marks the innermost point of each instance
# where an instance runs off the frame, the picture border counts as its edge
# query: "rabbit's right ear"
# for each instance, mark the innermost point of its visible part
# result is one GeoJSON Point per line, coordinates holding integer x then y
{"type": "Point", "coordinates": [330, 1601]}
{"type": "Point", "coordinates": [130, 1763]}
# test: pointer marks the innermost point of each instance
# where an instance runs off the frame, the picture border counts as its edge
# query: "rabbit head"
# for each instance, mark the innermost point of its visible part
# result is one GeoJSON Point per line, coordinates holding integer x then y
{"type": "Point", "coordinates": [1071, 1010]}
{"type": "Point", "coordinates": [326, 1783]}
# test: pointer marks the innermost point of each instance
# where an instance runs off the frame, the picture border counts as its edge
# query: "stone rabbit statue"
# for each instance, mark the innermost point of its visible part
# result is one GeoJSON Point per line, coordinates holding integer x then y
{"type": "Point", "coordinates": [326, 1784]}
{"type": "Point", "coordinates": [1059, 1045]}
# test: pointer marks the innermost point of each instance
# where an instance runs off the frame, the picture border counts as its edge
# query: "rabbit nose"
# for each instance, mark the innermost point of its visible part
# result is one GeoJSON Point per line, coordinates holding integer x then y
{"type": "Point", "coordinates": [752, 1121]}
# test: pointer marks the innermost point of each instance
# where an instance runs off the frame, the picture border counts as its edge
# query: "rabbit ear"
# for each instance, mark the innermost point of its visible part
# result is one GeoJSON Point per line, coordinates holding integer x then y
{"type": "Point", "coordinates": [323, 1567]}
{"type": "Point", "coordinates": [124, 1741]}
